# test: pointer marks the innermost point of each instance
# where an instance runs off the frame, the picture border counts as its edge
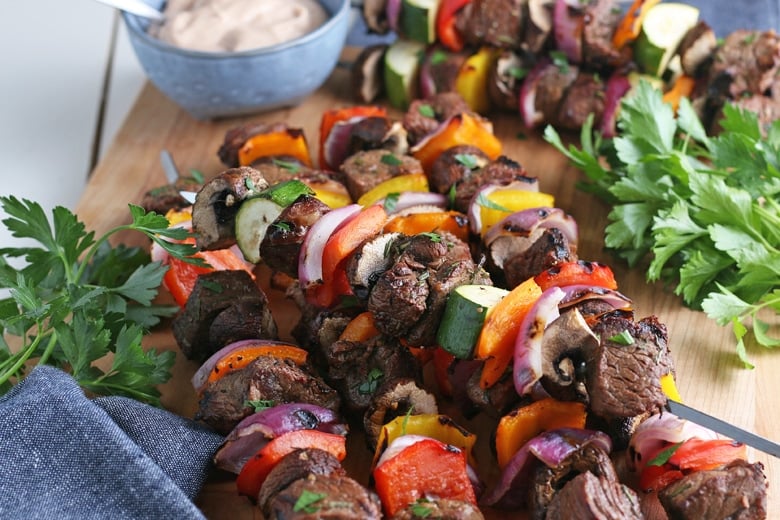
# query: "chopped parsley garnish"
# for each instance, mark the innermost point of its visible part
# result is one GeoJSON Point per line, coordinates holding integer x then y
{"type": "Point", "coordinates": [469, 160]}
{"type": "Point", "coordinates": [483, 201]}
{"type": "Point", "coordinates": [259, 404]}
{"type": "Point", "coordinates": [287, 165]}
{"type": "Point", "coordinates": [664, 455]}
{"type": "Point", "coordinates": [518, 72]}
{"type": "Point", "coordinates": [623, 338]}
{"type": "Point", "coordinates": [370, 386]}
{"type": "Point", "coordinates": [560, 60]}
{"type": "Point", "coordinates": [426, 110]}
{"type": "Point", "coordinates": [391, 160]}
{"type": "Point", "coordinates": [390, 202]}
{"type": "Point", "coordinates": [197, 175]}
{"type": "Point", "coordinates": [432, 236]}
{"type": "Point", "coordinates": [421, 509]}
{"type": "Point", "coordinates": [307, 502]}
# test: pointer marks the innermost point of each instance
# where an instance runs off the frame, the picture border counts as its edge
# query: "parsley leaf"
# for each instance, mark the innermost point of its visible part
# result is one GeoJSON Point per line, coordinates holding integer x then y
{"type": "Point", "coordinates": [704, 211]}
{"type": "Point", "coordinates": [664, 455]}
{"type": "Point", "coordinates": [78, 299]}
{"type": "Point", "coordinates": [307, 502]}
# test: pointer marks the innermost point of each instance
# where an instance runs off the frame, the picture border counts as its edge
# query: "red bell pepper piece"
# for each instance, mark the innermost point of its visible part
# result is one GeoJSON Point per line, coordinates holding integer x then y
{"type": "Point", "coordinates": [699, 455]}
{"type": "Point", "coordinates": [427, 467]}
{"type": "Point", "coordinates": [181, 276]}
{"type": "Point", "coordinates": [446, 31]}
{"type": "Point", "coordinates": [260, 465]}
{"type": "Point", "coordinates": [580, 272]}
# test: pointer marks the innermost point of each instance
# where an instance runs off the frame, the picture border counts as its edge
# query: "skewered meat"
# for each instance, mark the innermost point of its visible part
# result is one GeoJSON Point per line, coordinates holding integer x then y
{"type": "Point", "coordinates": [550, 249]}
{"type": "Point", "coordinates": [584, 96]}
{"type": "Point", "coordinates": [502, 171]}
{"type": "Point", "coordinates": [498, 23]}
{"type": "Point", "coordinates": [225, 306]}
{"type": "Point", "coordinates": [588, 497]}
{"type": "Point", "coordinates": [748, 61]}
{"type": "Point", "coordinates": [366, 169]}
{"type": "Point", "coordinates": [227, 400]}
{"type": "Point", "coordinates": [420, 123]}
{"type": "Point", "coordinates": [443, 509]}
{"type": "Point", "coordinates": [340, 498]}
{"type": "Point", "coordinates": [601, 17]}
{"type": "Point", "coordinates": [237, 136]}
{"type": "Point", "coordinates": [454, 165]}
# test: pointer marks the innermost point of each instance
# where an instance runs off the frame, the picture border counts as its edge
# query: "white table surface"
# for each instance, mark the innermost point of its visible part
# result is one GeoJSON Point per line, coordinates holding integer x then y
{"type": "Point", "coordinates": [55, 56]}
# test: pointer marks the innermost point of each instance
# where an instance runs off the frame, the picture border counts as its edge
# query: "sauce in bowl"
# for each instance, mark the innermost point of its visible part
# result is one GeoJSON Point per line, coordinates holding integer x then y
{"type": "Point", "coordinates": [237, 25]}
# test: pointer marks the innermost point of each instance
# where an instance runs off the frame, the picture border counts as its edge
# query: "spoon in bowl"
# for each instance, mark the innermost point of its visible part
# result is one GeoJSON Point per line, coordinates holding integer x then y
{"type": "Point", "coordinates": [136, 7]}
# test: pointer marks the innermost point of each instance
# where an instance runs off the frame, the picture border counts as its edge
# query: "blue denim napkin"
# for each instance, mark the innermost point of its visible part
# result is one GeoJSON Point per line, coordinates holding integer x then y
{"type": "Point", "coordinates": [65, 456]}
{"type": "Point", "coordinates": [725, 16]}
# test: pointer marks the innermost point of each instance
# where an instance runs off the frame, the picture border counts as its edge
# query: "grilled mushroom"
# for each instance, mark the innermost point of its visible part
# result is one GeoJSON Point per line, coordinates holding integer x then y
{"type": "Point", "coordinates": [394, 398]}
{"type": "Point", "coordinates": [565, 342]}
{"type": "Point", "coordinates": [540, 24]}
{"type": "Point", "coordinates": [375, 16]}
{"type": "Point", "coordinates": [216, 205]}
{"type": "Point", "coordinates": [368, 73]}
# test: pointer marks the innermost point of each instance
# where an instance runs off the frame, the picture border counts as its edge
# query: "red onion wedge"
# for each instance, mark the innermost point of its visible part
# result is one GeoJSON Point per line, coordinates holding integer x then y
{"type": "Point", "coordinates": [527, 368]}
{"type": "Point", "coordinates": [257, 429]}
{"type": "Point", "coordinates": [481, 195]}
{"type": "Point", "coordinates": [393, 13]}
{"type": "Point", "coordinates": [568, 25]}
{"type": "Point", "coordinates": [336, 147]}
{"type": "Point", "coordinates": [578, 293]}
{"type": "Point", "coordinates": [656, 432]}
{"type": "Point", "coordinates": [410, 199]}
{"type": "Point", "coordinates": [617, 87]}
{"type": "Point", "coordinates": [310, 257]}
{"type": "Point", "coordinates": [525, 222]}
{"type": "Point", "coordinates": [201, 376]}
{"type": "Point", "coordinates": [527, 100]}
{"type": "Point", "coordinates": [551, 448]}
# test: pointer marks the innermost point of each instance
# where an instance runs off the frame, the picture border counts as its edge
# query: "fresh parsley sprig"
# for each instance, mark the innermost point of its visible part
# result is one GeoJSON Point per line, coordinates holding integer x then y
{"type": "Point", "coordinates": [77, 299]}
{"type": "Point", "coordinates": [702, 211]}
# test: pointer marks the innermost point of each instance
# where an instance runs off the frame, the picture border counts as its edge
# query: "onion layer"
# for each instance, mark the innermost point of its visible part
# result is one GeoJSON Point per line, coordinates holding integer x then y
{"type": "Point", "coordinates": [656, 432]}
{"type": "Point", "coordinates": [310, 257]}
{"type": "Point", "coordinates": [525, 222]}
{"type": "Point", "coordinates": [568, 25]}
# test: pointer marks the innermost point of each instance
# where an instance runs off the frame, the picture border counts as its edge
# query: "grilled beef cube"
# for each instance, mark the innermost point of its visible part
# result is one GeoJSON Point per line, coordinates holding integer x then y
{"type": "Point", "coordinates": [454, 165]}
{"type": "Point", "coordinates": [583, 97]}
{"type": "Point", "coordinates": [342, 498]}
{"type": "Point", "coordinates": [293, 466]}
{"type": "Point", "coordinates": [440, 509]}
{"type": "Point", "coordinates": [498, 23]}
{"type": "Point", "coordinates": [236, 137]}
{"type": "Point", "coordinates": [502, 171]}
{"type": "Point", "coordinates": [282, 242]}
{"type": "Point", "coordinates": [496, 401]}
{"type": "Point", "coordinates": [588, 497]}
{"type": "Point", "coordinates": [168, 197]}
{"type": "Point", "coordinates": [376, 132]}
{"type": "Point", "coordinates": [420, 122]}
{"type": "Point", "coordinates": [746, 63]}
{"type": "Point", "coordinates": [624, 380]}
{"type": "Point", "coordinates": [366, 169]}
{"type": "Point", "coordinates": [601, 17]}
{"type": "Point", "coordinates": [225, 306]}
{"type": "Point", "coordinates": [317, 329]}
{"type": "Point", "coordinates": [736, 491]}
{"type": "Point", "coordinates": [443, 65]}
{"type": "Point", "coordinates": [358, 369]}
{"type": "Point", "coordinates": [408, 299]}
{"type": "Point", "coordinates": [550, 249]}
{"type": "Point", "coordinates": [551, 88]}
{"type": "Point", "coordinates": [547, 481]}
{"type": "Point", "coordinates": [227, 400]}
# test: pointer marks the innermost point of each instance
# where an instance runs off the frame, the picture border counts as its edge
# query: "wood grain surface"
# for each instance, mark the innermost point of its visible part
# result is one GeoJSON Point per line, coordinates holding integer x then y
{"type": "Point", "coordinates": [709, 374]}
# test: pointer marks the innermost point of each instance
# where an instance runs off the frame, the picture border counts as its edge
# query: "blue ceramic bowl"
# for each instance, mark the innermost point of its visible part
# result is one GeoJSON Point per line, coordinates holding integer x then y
{"type": "Point", "coordinates": [211, 85]}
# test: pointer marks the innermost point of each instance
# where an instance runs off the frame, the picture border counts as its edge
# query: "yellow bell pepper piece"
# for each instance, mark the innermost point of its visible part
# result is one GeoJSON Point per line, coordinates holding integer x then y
{"type": "Point", "coordinates": [330, 192]}
{"type": "Point", "coordinates": [669, 387]}
{"type": "Point", "coordinates": [439, 427]}
{"type": "Point", "coordinates": [511, 201]}
{"type": "Point", "coordinates": [397, 184]}
{"type": "Point", "coordinates": [472, 79]}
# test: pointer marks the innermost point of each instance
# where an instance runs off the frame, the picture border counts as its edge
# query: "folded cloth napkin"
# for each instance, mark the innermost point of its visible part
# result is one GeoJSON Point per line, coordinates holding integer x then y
{"type": "Point", "coordinates": [66, 456]}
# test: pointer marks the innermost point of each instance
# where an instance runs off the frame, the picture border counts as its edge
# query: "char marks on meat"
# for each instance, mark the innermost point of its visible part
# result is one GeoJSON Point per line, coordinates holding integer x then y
{"type": "Point", "coordinates": [293, 466]}
{"type": "Point", "coordinates": [584, 96]}
{"type": "Point", "coordinates": [550, 249]}
{"type": "Point", "coordinates": [749, 59]}
{"type": "Point", "coordinates": [408, 299]}
{"type": "Point", "coordinates": [548, 481]}
{"type": "Point", "coordinates": [440, 509]}
{"type": "Point", "coordinates": [737, 491]}
{"type": "Point", "coordinates": [625, 380]}
{"type": "Point", "coordinates": [601, 17]}
{"type": "Point", "coordinates": [420, 122]}
{"type": "Point", "coordinates": [500, 172]}
{"type": "Point", "coordinates": [237, 136]}
{"type": "Point", "coordinates": [169, 197]}
{"type": "Point", "coordinates": [455, 164]}
{"type": "Point", "coordinates": [366, 169]}
{"type": "Point", "coordinates": [497, 23]}
{"type": "Point", "coordinates": [282, 242]}
{"type": "Point", "coordinates": [588, 497]}
{"type": "Point", "coordinates": [226, 401]}
{"type": "Point", "coordinates": [342, 498]}
{"type": "Point", "coordinates": [224, 306]}
{"type": "Point", "coordinates": [551, 88]}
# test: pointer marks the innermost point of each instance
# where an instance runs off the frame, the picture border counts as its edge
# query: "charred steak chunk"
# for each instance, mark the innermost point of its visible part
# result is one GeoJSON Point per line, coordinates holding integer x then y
{"type": "Point", "coordinates": [225, 306]}
{"type": "Point", "coordinates": [424, 116]}
{"type": "Point", "coordinates": [293, 466]}
{"type": "Point", "coordinates": [282, 242]}
{"type": "Point", "coordinates": [502, 171]}
{"type": "Point", "coordinates": [749, 60]}
{"type": "Point", "coordinates": [366, 169]}
{"type": "Point", "coordinates": [549, 481]}
{"type": "Point", "coordinates": [624, 372]}
{"type": "Point", "coordinates": [601, 19]}
{"type": "Point", "coordinates": [227, 400]}
{"type": "Point", "coordinates": [338, 497]}
{"type": "Point", "coordinates": [736, 491]}
{"type": "Point", "coordinates": [454, 165]}
{"type": "Point", "coordinates": [588, 497]}
{"type": "Point", "coordinates": [550, 249]}
{"type": "Point", "coordinates": [440, 509]}
{"type": "Point", "coordinates": [498, 23]}
{"type": "Point", "coordinates": [551, 88]}
{"type": "Point", "coordinates": [584, 96]}
{"type": "Point", "coordinates": [236, 137]}
{"type": "Point", "coordinates": [168, 197]}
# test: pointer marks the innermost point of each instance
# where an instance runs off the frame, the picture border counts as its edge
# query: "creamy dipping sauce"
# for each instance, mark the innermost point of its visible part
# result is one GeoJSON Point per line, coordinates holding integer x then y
{"type": "Point", "coordinates": [237, 25]}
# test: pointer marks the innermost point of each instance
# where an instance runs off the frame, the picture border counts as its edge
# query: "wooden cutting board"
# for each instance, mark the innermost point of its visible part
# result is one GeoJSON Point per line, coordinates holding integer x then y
{"type": "Point", "coordinates": [710, 376]}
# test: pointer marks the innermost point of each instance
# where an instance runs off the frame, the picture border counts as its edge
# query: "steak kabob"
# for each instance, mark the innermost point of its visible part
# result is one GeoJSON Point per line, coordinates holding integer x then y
{"type": "Point", "coordinates": [389, 282]}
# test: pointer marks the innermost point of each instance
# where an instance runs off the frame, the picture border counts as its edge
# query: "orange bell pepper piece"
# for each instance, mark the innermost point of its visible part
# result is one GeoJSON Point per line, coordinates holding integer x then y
{"type": "Point", "coordinates": [683, 87]}
{"type": "Point", "coordinates": [333, 116]}
{"type": "Point", "coordinates": [460, 129]}
{"type": "Point", "coordinates": [339, 246]}
{"type": "Point", "coordinates": [426, 468]}
{"type": "Point", "coordinates": [242, 357]}
{"type": "Point", "coordinates": [291, 141]}
{"type": "Point", "coordinates": [525, 423]}
{"type": "Point", "coordinates": [361, 328]}
{"type": "Point", "coordinates": [257, 468]}
{"type": "Point", "coordinates": [579, 272]}
{"type": "Point", "coordinates": [453, 222]}
{"type": "Point", "coordinates": [631, 25]}
{"type": "Point", "coordinates": [496, 342]}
